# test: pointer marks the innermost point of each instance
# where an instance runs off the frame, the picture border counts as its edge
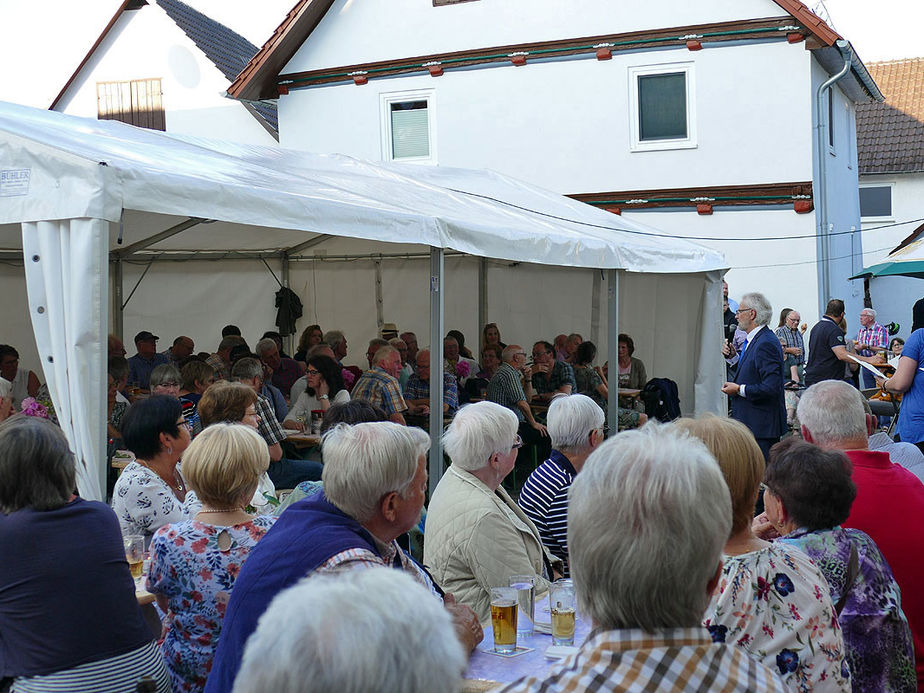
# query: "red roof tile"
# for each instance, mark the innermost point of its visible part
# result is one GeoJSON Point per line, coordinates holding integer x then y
{"type": "Point", "coordinates": [890, 135]}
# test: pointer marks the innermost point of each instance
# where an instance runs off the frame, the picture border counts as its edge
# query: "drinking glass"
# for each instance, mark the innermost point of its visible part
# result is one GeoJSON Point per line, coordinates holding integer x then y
{"type": "Point", "coordinates": [525, 585]}
{"type": "Point", "coordinates": [134, 553]}
{"type": "Point", "coordinates": [562, 603]}
{"type": "Point", "coordinates": [504, 619]}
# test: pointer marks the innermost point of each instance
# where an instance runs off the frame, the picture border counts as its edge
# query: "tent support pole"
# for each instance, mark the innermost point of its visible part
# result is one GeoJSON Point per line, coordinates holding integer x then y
{"type": "Point", "coordinates": [612, 347]}
{"type": "Point", "coordinates": [437, 265]}
{"type": "Point", "coordinates": [379, 303]}
{"type": "Point", "coordinates": [482, 297]}
{"type": "Point", "coordinates": [117, 325]}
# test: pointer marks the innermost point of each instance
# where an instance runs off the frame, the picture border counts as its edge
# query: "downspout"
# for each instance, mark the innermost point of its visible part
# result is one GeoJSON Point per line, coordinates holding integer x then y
{"type": "Point", "coordinates": [822, 191]}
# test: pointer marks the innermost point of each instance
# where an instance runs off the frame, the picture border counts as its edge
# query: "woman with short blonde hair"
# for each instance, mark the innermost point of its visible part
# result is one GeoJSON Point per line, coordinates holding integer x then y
{"type": "Point", "coordinates": [194, 563]}
{"type": "Point", "coordinates": [772, 601]}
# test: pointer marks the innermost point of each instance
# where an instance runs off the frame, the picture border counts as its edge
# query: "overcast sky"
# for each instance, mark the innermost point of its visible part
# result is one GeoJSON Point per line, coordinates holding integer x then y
{"type": "Point", "coordinates": [43, 40]}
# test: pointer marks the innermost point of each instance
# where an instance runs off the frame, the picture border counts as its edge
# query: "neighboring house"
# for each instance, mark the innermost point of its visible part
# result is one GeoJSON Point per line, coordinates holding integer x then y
{"type": "Point", "coordinates": [166, 66]}
{"type": "Point", "coordinates": [697, 118]}
{"type": "Point", "coordinates": [890, 145]}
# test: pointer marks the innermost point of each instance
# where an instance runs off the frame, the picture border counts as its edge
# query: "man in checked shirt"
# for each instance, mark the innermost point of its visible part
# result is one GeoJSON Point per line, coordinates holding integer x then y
{"type": "Point", "coordinates": [648, 517]}
{"type": "Point", "coordinates": [871, 338]}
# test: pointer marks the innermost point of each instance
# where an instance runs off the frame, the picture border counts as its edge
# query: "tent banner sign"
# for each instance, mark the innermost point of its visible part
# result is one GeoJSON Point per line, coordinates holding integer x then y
{"type": "Point", "coordinates": [14, 181]}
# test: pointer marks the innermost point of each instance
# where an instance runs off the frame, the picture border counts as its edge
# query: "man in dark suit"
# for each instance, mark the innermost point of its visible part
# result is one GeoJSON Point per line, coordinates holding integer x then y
{"type": "Point", "coordinates": [757, 396]}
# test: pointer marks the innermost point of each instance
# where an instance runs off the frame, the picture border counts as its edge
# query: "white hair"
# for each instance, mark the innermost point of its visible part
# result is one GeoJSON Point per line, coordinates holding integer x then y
{"type": "Point", "coordinates": [375, 630]}
{"type": "Point", "coordinates": [478, 431]}
{"type": "Point", "coordinates": [366, 461]}
{"type": "Point", "coordinates": [265, 345]}
{"type": "Point", "coordinates": [870, 312]}
{"type": "Point", "coordinates": [832, 410]}
{"type": "Point", "coordinates": [571, 418]}
{"type": "Point", "coordinates": [648, 517]}
{"type": "Point", "coordinates": [762, 308]}
{"type": "Point", "coordinates": [383, 352]}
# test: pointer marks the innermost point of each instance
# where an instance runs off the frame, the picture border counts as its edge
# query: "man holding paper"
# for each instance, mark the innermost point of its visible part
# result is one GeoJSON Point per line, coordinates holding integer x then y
{"type": "Point", "coordinates": [827, 349]}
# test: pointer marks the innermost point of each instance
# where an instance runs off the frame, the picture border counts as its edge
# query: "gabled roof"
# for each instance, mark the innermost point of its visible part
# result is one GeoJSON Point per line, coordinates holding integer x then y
{"type": "Point", "coordinates": [258, 79]}
{"type": "Point", "coordinates": [226, 49]}
{"type": "Point", "coordinates": [890, 135]}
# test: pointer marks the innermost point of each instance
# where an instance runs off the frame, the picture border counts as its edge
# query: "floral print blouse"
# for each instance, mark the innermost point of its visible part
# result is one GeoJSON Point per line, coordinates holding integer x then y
{"type": "Point", "coordinates": [775, 605]}
{"type": "Point", "coordinates": [876, 633]}
{"type": "Point", "coordinates": [144, 503]}
{"type": "Point", "coordinates": [196, 576]}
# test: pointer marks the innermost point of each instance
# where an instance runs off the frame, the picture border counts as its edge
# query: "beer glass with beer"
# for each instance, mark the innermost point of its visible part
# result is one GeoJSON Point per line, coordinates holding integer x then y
{"type": "Point", "coordinates": [504, 619]}
{"type": "Point", "coordinates": [134, 553]}
{"type": "Point", "coordinates": [562, 603]}
{"type": "Point", "coordinates": [525, 585]}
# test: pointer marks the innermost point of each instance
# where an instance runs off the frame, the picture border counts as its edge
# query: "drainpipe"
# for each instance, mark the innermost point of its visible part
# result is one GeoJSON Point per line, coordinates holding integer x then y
{"type": "Point", "coordinates": [822, 191]}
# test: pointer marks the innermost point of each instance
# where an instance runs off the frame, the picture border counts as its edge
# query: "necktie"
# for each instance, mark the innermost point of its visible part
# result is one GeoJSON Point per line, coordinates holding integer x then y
{"type": "Point", "coordinates": [744, 347]}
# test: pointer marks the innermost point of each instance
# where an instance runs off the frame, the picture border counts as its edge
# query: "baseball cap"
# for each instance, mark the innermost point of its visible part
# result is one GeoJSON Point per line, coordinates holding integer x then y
{"type": "Point", "coordinates": [145, 336]}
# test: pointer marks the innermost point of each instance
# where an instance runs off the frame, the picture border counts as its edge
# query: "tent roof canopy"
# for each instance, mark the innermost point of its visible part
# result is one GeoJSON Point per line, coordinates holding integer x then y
{"type": "Point", "coordinates": [275, 200]}
{"type": "Point", "coordinates": [907, 260]}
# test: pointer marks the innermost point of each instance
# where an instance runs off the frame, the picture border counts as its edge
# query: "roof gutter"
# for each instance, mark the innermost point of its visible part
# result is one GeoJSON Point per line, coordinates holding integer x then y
{"type": "Point", "coordinates": [821, 191]}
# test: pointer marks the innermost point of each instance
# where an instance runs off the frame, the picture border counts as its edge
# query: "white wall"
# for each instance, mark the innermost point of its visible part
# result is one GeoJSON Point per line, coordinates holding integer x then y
{"type": "Point", "coordinates": [357, 31]}
{"type": "Point", "coordinates": [147, 44]}
{"type": "Point", "coordinates": [893, 297]}
{"type": "Point", "coordinates": [565, 125]}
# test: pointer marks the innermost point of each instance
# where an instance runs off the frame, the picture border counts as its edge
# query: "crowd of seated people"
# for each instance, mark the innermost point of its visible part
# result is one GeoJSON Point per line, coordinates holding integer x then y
{"type": "Point", "coordinates": [655, 526]}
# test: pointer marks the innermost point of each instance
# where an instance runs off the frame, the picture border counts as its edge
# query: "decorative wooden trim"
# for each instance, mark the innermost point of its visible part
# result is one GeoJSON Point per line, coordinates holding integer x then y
{"type": "Point", "coordinates": [696, 199]}
{"type": "Point", "coordinates": [674, 37]}
{"type": "Point", "coordinates": [440, 3]}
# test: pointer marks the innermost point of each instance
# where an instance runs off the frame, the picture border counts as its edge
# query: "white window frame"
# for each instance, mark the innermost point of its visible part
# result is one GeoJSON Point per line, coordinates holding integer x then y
{"type": "Point", "coordinates": [879, 220]}
{"type": "Point", "coordinates": [688, 142]}
{"type": "Point", "coordinates": [386, 100]}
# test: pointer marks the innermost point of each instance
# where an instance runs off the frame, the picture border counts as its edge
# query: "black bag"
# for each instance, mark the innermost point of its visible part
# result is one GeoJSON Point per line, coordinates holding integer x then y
{"type": "Point", "coordinates": [661, 399]}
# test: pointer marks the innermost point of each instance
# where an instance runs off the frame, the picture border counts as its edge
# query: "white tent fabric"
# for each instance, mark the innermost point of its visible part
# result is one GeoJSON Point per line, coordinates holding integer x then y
{"type": "Point", "coordinates": [62, 255]}
{"type": "Point", "coordinates": [83, 172]}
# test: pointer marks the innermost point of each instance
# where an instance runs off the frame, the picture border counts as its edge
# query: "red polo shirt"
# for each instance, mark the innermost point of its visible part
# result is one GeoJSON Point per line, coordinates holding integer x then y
{"type": "Point", "coordinates": [890, 507]}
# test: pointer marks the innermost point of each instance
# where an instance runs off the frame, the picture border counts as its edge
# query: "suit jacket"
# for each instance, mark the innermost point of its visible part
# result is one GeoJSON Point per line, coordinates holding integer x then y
{"type": "Point", "coordinates": [760, 370]}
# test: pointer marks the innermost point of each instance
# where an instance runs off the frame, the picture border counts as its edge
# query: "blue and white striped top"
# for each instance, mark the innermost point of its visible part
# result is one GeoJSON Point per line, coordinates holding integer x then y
{"type": "Point", "coordinates": [544, 499]}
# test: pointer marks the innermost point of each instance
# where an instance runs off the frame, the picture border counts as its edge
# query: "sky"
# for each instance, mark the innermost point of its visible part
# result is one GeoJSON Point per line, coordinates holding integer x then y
{"type": "Point", "coordinates": [44, 40]}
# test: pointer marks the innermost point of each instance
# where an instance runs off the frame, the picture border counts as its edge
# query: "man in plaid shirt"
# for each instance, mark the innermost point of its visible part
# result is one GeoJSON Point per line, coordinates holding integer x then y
{"type": "Point", "coordinates": [871, 338]}
{"type": "Point", "coordinates": [643, 578]}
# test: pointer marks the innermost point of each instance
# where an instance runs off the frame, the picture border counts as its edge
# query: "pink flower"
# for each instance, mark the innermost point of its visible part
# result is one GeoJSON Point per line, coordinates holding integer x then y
{"type": "Point", "coordinates": [199, 545]}
{"type": "Point", "coordinates": [205, 574]}
{"type": "Point", "coordinates": [795, 612]}
{"type": "Point", "coordinates": [463, 369]}
{"type": "Point", "coordinates": [348, 377]}
{"type": "Point", "coordinates": [31, 407]}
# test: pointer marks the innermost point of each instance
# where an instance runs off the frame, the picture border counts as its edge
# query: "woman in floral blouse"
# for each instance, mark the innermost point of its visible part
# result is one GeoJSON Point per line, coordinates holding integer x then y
{"type": "Point", "coordinates": [151, 491]}
{"type": "Point", "coordinates": [808, 493]}
{"type": "Point", "coordinates": [194, 563]}
{"type": "Point", "coordinates": [772, 601]}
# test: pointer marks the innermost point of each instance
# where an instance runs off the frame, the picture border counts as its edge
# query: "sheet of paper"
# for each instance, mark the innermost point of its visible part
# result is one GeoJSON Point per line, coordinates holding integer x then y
{"type": "Point", "coordinates": [872, 369]}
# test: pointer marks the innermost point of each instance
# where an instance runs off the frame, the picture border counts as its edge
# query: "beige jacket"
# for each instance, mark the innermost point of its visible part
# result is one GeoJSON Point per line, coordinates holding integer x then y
{"type": "Point", "coordinates": [476, 540]}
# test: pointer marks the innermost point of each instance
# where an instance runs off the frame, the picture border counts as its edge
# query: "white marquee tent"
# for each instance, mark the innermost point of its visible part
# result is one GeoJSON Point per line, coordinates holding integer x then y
{"type": "Point", "coordinates": [79, 196]}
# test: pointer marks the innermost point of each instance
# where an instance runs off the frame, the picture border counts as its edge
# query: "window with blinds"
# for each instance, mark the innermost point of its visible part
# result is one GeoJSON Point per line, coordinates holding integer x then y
{"type": "Point", "coordinates": [137, 102]}
{"type": "Point", "coordinates": [410, 129]}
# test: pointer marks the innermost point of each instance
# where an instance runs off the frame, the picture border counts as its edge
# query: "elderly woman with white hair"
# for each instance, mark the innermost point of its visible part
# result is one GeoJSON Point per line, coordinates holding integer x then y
{"type": "Point", "coordinates": [649, 515]}
{"type": "Point", "coordinates": [476, 536]}
{"type": "Point", "coordinates": [396, 638]}
{"type": "Point", "coordinates": [575, 425]}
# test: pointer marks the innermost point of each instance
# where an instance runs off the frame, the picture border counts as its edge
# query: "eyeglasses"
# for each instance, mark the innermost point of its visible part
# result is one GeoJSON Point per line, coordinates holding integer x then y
{"type": "Point", "coordinates": [741, 310]}
{"type": "Point", "coordinates": [169, 383]}
{"type": "Point", "coordinates": [185, 424]}
{"type": "Point", "coordinates": [517, 443]}
{"type": "Point", "coordinates": [312, 371]}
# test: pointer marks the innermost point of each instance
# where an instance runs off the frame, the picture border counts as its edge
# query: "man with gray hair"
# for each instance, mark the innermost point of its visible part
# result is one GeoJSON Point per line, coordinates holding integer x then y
{"type": "Point", "coordinates": [871, 339]}
{"type": "Point", "coordinates": [575, 425]}
{"type": "Point", "coordinates": [890, 499]}
{"type": "Point", "coordinates": [220, 361]}
{"type": "Point", "coordinates": [643, 578]}
{"type": "Point", "coordinates": [758, 400]}
{"type": "Point", "coordinates": [379, 385]}
{"type": "Point", "coordinates": [306, 643]}
{"type": "Point", "coordinates": [375, 483]}
{"type": "Point", "coordinates": [285, 371]}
